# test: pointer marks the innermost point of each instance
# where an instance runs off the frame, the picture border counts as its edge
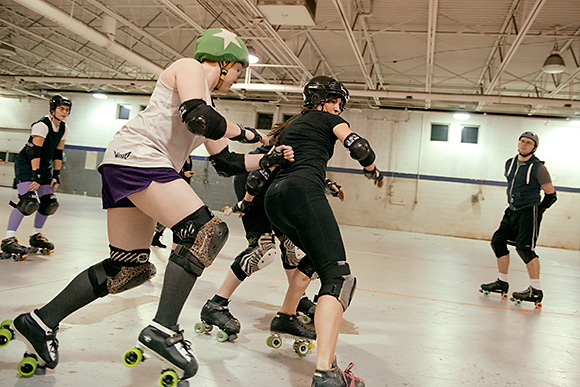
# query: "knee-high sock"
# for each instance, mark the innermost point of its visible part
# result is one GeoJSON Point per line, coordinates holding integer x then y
{"type": "Point", "coordinates": [177, 285]}
{"type": "Point", "coordinates": [14, 220]}
{"type": "Point", "coordinates": [39, 220]}
{"type": "Point", "coordinates": [78, 293]}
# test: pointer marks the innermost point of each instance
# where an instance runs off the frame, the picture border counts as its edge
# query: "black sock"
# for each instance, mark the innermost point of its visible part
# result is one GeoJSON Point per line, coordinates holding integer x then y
{"type": "Point", "coordinates": [78, 293]}
{"type": "Point", "coordinates": [177, 285]}
{"type": "Point", "coordinates": [220, 300]}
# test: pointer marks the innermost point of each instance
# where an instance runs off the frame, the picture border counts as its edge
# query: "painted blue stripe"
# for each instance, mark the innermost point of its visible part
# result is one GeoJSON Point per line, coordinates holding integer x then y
{"type": "Point", "coordinates": [401, 175]}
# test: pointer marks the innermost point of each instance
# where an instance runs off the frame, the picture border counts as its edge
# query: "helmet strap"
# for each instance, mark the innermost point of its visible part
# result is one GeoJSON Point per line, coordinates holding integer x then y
{"type": "Point", "coordinates": [223, 72]}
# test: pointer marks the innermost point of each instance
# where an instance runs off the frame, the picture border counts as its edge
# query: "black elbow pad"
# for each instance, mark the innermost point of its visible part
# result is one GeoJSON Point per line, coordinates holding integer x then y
{"type": "Point", "coordinates": [227, 163]}
{"type": "Point", "coordinates": [256, 181]}
{"type": "Point", "coordinates": [360, 149]}
{"type": "Point", "coordinates": [202, 119]}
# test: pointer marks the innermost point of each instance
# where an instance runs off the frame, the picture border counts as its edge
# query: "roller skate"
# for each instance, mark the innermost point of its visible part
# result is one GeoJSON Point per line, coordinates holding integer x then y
{"type": "Point", "coordinates": [214, 314]}
{"type": "Point", "coordinates": [290, 326]}
{"type": "Point", "coordinates": [498, 286]}
{"type": "Point", "coordinates": [336, 377]}
{"type": "Point", "coordinates": [529, 295]}
{"type": "Point", "coordinates": [171, 348]}
{"type": "Point", "coordinates": [306, 308]}
{"type": "Point", "coordinates": [41, 343]}
{"type": "Point", "coordinates": [12, 249]}
{"type": "Point", "coordinates": [39, 243]}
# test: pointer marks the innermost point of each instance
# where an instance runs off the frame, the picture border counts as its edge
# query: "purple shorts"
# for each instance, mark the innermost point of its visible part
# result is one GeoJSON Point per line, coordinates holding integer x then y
{"type": "Point", "coordinates": [120, 182]}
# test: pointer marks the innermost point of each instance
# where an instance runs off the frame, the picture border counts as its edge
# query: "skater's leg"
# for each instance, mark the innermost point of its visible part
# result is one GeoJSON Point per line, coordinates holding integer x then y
{"type": "Point", "coordinates": [16, 215]}
{"type": "Point", "coordinates": [230, 284]}
{"type": "Point", "coordinates": [503, 264]}
{"type": "Point", "coordinates": [191, 220]}
{"type": "Point", "coordinates": [298, 284]}
{"type": "Point", "coordinates": [13, 223]}
{"type": "Point", "coordinates": [82, 290]}
{"type": "Point", "coordinates": [327, 320]}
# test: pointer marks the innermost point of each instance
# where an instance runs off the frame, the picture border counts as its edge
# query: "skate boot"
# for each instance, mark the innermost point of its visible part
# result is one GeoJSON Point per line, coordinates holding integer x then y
{"type": "Point", "coordinates": [214, 314]}
{"type": "Point", "coordinates": [157, 241]}
{"type": "Point", "coordinates": [290, 326]}
{"type": "Point", "coordinates": [306, 308]}
{"type": "Point", "coordinates": [169, 346]}
{"type": "Point", "coordinates": [498, 286]}
{"type": "Point", "coordinates": [336, 378]}
{"type": "Point", "coordinates": [41, 344]}
{"type": "Point", "coordinates": [38, 242]}
{"type": "Point", "coordinates": [12, 249]}
{"type": "Point", "coordinates": [529, 295]}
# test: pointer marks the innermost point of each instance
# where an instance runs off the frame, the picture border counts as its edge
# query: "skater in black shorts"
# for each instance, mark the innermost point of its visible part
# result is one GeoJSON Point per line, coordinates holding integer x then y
{"type": "Point", "coordinates": [526, 176]}
{"type": "Point", "coordinates": [141, 186]}
{"type": "Point", "coordinates": [37, 174]}
{"type": "Point", "coordinates": [295, 203]}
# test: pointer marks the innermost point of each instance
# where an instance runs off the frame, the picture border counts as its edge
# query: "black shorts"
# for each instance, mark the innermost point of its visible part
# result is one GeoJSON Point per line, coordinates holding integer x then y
{"type": "Point", "coordinates": [519, 228]}
{"type": "Point", "coordinates": [23, 171]}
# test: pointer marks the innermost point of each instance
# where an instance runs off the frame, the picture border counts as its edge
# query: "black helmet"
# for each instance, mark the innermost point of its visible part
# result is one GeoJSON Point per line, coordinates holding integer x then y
{"type": "Point", "coordinates": [319, 89]}
{"type": "Point", "coordinates": [532, 136]}
{"type": "Point", "coordinates": [59, 100]}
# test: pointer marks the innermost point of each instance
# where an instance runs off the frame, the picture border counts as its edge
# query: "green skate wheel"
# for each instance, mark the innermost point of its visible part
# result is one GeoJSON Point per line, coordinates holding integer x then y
{"type": "Point", "coordinates": [274, 342]}
{"type": "Point", "coordinates": [301, 348]}
{"type": "Point", "coordinates": [27, 366]}
{"type": "Point", "coordinates": [168, 379]}
{"type": "Point", "coordinates": [199, 328]}
{"type": "Point", "coordinates": [221, 336]}
{"type": "Point", "coordinates": [6, 323]}
{"type": "Point", "coordinates": [133, 357]}
{"type": "Point", "coordinates": [305, 319]}
{"type": "Point", "coordinates": [5, 337]}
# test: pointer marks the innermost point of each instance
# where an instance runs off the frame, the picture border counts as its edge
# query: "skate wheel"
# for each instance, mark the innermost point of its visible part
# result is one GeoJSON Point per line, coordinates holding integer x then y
{"type": "Point", "coordinates": [274, 342]}
{"type": "Point", "coordinates": [18, 258]}
{"type": "Point", "coordinates": [518, 302]}
{"type": "Point", "coordinates": [539, 305]}
{"type": "Point", "coordinates": [504, 296]}
{"type": "Point", "coordinates": [168, 379]}
{"type": "Point", "coordinates": [221, 336]}
{"type": "Point", "coordinates": [305, 319]}
{"type": "Point", "coordinates": [5, 336]}
{"type": "Point", "coordinates": [27, 366]}
{"type": "Point", "coordinates": [133, 357]}
{"type": "Point", "coordinates": [301, 348]}
{"type": "Point", "coordinates": [199, 328]}
{"type": "Point", "coordinates": [6, 324]}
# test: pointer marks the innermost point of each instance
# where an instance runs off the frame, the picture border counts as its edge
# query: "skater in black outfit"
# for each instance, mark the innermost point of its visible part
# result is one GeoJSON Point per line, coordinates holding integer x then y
{"type": "Point", "coordinates": [37, 173]}
{"type": "Point", "coordinates": [526, 176]}
{"type": "Point", "coordinates": [295, 203]}
{"type": "Point", "coordinates": [141, 186]}
{"type": "Point", "coordinates": [186, 173]}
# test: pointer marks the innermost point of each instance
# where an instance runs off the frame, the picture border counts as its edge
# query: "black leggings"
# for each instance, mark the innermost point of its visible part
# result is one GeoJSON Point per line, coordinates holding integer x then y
{"type": "Point", "coordinates": [300, 209]}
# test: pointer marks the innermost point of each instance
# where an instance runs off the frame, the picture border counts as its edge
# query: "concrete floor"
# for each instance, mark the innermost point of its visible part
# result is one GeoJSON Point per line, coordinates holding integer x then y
{"type": "Point", "coordinates": [417, 318]}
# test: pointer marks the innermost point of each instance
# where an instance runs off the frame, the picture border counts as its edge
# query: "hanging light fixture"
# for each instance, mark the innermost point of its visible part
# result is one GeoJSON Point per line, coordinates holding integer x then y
{"type": "Point", "coordinates": [554, 64]}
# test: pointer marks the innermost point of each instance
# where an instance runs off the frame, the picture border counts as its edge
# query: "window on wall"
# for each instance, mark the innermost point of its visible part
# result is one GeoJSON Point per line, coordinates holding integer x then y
{"type": "Point", "coordinates": [123, 112]}
{"type": "Point", "coordinates": [439, 132]}
{"type": "Point", "coordinates": [469, 134]}
{"type": "Point", "coordinates": [264, 121]}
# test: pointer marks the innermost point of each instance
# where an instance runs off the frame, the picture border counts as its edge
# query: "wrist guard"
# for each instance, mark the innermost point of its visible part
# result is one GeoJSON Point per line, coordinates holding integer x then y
{"type": "Point", "coordinates": [273, 158]}
{"type": "Point", "coordinates": [373, 174]}
{"type": "Point", "coordinates": [549, 199]}
{"type": "Point", "coordinates": [243, 206]}
{"type": "Point", "coordinates": [328, 187]}
{"type": "Point", "coordinates": [36, 176]}
{"type": "Point", "coordinates": [56, 175]}
{"type": "Point", "coordinates": [242, 136]}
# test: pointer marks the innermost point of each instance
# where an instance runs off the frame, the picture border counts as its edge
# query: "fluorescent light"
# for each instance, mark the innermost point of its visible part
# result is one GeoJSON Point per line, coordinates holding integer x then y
{"type": "Point", "coordinates": [461, 116]}
{"type": "Point", "coordinates": [253, 59]}
{"type": "Point", "coordinates": [574, 123]}
{"type": "Point", "coordinates": [100, 96]}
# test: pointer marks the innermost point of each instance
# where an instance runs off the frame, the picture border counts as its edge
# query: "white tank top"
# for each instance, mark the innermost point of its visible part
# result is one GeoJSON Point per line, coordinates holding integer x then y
{"type": "Point", "coordinates": [156, 137]}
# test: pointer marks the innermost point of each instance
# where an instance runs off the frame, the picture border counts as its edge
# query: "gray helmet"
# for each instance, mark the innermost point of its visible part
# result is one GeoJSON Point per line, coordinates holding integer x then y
{"type": "Point", "coordinates": [532, 136]}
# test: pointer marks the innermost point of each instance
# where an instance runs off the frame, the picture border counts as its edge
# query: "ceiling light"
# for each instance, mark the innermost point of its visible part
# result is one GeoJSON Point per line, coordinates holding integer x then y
{"type": "Point", "coordinates": [100, 96]}
{"type": "Point", "coordinates": [554, 64]}
{"type": "Point", "coordinates": [574, 123]}
{"type": "Point", "coordinates": [253, 59]}
{"type": "Point", "coordinates": [461, 116]}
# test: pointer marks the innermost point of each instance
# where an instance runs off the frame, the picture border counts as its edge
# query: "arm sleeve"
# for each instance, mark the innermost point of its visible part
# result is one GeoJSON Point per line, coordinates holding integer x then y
{"type": "Point", "coordinates": [543, 175]}
{"type": "Point", "coordinates": [39, 129]}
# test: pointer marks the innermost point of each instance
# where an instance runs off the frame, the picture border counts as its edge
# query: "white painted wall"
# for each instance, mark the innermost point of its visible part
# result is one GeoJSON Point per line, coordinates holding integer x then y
{"type": "Point", "coordinates": [402, 143]}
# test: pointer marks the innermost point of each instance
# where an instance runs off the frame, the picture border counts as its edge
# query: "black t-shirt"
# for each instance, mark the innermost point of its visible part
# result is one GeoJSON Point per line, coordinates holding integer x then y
{"type": "Point", "coordinates": [312, 138]}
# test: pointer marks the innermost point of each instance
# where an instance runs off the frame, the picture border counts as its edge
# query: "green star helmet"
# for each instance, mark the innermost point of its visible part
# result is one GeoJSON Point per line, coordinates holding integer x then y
{"type": "Point", "coordinates": [221, 45]}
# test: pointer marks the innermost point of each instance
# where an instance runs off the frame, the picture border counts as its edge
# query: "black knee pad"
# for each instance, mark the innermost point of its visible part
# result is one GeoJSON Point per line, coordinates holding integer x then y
{"type": "Point", "coordinates": [526, 255]}
{"type": "Point", "coordinates": [306, 267]}
{"type": "Point", "coordinates": [259, 254]}
{"type": "Point", "coordinates": [48, 204]}
{"type": "Point", "coordinates": [201, 237]}
{"type": "Point", "coordinates": [124, 270]}
{"type": "Point", "coordinates": [337, 281]}
{"type": "Point", "coordinates": [499, 248]}
{"type": "Point", "coordinates": [27, 203]}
